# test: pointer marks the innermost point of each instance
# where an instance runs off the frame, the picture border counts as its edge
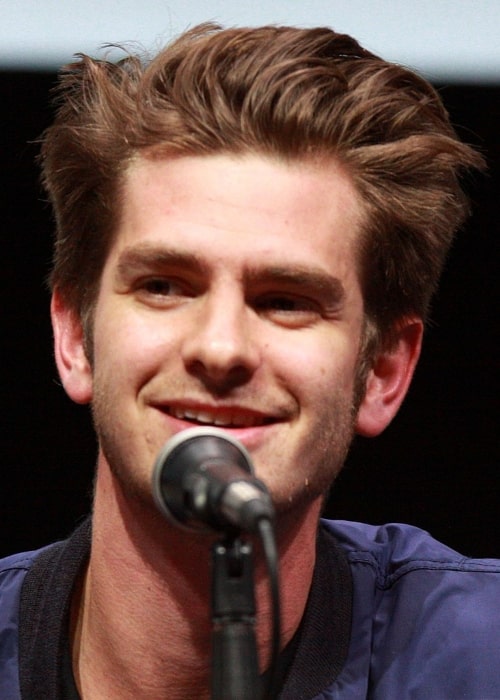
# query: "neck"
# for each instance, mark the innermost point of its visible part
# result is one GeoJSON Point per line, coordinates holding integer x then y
{"type": "Point", "coordinates": [143, 627]}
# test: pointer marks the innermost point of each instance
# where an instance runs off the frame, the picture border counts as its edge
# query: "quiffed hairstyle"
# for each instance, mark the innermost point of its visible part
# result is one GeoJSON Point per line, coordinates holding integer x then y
{"type": "Point", "coordinates": [282, 92]}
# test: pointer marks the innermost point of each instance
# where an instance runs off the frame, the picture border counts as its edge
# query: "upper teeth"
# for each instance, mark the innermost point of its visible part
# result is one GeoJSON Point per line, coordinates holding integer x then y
{"type": "Point", "coordinates": [220, 419]}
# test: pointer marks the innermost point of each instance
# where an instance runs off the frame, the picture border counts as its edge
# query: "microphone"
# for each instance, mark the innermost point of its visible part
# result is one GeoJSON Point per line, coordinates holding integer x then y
{"type": "Point", "coordinates": [204, 479]}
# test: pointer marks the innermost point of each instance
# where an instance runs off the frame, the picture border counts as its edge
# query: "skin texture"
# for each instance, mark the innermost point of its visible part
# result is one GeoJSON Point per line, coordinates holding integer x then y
{"type": "Point", "coordinates": [230, 297]}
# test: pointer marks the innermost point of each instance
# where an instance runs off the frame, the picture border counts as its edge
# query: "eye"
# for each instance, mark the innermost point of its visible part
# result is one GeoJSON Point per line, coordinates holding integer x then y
{"type": "Point", "coordinates": [162, 291]}
{"type": "Point", "coordinates": [160, 286]}
{"type": "Point", "coordinates": [288, 310]}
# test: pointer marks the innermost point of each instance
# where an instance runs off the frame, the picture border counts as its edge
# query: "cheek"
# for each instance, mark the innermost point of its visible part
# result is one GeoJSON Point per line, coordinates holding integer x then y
{"type": "Point", "coordinates": [313, 367]}
{"type": "Point", "coordinates": [125, 338]}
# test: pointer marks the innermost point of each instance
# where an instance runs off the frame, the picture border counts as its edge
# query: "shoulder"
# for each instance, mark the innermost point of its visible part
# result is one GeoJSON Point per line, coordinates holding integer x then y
{"type": "Point", "coordinates": [396, 549]}
{"type": "Point", "coordinates": [13, 571]}
{"type": "Point", "coordinates": [35, 590]}
{"type": "Point", "coordinates": [432, 610]}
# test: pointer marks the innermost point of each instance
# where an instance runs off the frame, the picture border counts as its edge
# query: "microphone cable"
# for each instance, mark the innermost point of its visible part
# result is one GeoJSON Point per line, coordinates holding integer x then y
{"type": "Point", "coordinates": [266, 533]}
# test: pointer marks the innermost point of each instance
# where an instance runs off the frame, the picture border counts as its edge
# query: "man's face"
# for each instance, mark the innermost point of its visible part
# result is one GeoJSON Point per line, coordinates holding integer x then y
{"type": "Point", "coordinates": [231, 298]}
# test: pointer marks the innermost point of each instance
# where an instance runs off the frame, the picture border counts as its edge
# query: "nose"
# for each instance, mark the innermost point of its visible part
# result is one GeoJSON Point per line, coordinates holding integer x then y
{"type": "Point", "coordinates": [221, 348]}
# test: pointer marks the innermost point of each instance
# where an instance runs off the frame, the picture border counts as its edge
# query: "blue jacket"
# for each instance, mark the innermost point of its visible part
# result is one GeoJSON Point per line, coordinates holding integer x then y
{"type": "Point", "coordinates": [405, 617]}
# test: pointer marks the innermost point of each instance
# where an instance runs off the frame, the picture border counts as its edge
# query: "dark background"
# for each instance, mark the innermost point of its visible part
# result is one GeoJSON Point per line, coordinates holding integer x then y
{"type": "Point", "coordinates": [436, 466]}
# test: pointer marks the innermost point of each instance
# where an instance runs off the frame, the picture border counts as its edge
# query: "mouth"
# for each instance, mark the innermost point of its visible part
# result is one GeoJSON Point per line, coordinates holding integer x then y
{"type": "Point", "coordinates": [219, 417]}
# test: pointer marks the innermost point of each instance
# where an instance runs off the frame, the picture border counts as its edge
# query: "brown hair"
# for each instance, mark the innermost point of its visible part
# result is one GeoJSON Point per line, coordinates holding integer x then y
{"type": "Point", "coordinates": [279, 91]}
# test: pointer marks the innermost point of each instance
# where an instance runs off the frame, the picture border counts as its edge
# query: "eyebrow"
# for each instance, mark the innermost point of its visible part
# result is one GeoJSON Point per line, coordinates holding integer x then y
{"type": "Point", "coordinates": [300, 277]}
{"type": "Point", "coordinates": [152, 257]}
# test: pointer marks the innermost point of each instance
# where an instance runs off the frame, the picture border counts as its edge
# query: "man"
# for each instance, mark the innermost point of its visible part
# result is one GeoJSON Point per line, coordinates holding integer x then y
{"type": "Point", "coordinates": [249, 231]}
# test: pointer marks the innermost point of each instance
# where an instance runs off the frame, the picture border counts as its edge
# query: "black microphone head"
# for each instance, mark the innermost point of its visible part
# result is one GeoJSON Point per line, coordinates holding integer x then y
{"type": "Point", "coordinates": [191, 471]}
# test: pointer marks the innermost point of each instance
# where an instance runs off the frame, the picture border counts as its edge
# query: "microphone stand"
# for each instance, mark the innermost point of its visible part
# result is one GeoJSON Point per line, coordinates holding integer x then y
{"type": "Point", "coordinates": [235, 674]}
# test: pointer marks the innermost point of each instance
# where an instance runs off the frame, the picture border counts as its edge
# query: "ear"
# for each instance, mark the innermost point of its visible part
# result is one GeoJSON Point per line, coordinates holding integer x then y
{"type": "Point", "coordinates": [389, 379]}
{"type": "Point", "coordinates": [69, 349]}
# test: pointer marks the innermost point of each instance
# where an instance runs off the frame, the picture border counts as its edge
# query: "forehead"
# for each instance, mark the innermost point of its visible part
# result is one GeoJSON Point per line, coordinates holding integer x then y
{"type": "Point", "coordinates": [247, 204]}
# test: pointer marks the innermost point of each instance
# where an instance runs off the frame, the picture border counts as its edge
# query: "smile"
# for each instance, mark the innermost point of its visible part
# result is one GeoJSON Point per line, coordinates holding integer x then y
{"type": "Point", "coordinates": [224, 418]}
